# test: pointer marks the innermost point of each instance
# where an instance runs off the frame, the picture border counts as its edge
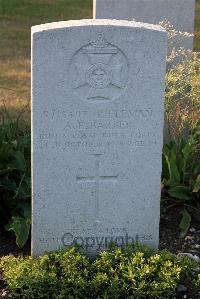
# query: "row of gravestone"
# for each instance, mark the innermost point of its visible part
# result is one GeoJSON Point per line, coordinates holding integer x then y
{"type": "Point", "coordinates": [180, 13]}
{"type": "Point", "coordinates": [97, 130]}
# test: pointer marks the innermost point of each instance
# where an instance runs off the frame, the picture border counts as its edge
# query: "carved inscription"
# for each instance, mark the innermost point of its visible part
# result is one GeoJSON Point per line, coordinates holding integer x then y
{"type": "Point", "coordinates": [104, 129]}
{"type": "Point", "coordinates": [99, 71]}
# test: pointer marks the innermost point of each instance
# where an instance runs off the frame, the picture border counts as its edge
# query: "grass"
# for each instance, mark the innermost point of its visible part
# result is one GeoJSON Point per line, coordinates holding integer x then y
{"type": "Point", "coordinates": [16, 18]}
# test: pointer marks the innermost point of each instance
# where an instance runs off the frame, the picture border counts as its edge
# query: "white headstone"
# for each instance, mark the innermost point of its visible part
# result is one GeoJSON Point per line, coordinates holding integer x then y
{"type": "Point", "coordinates": [180, 13]}
{"type": "Point", "coordinates": [97, 122]}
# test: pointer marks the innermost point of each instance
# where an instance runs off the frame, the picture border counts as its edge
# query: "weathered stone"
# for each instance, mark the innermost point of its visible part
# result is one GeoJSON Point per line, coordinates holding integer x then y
{"type": "Point", "coordinates": [180, 13]}
{"type": "Point", "coordinates": [97, 121]}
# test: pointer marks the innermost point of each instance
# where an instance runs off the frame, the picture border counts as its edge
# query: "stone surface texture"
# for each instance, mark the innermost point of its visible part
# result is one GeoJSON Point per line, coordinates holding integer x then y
{"type": "Point", "coordinates": [97, 123]}
{"type": "Point", "coordinates": [180, 13]}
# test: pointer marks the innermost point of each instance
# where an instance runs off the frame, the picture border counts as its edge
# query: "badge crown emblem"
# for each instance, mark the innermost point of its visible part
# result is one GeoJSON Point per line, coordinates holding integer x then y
{"type": "Point", "coordinates": [100, 42]}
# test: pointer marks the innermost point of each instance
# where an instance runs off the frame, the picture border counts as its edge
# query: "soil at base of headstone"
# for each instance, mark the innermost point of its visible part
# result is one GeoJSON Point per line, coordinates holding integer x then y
{"type": "Point", "coordinates": [170, 234]}
{"type": "Point", "coordinates": [8, 245]}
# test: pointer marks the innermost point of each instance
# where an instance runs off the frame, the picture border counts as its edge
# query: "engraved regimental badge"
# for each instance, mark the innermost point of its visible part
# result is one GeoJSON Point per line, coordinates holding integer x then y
{"type": "Point", "coordinates": [99, 71]}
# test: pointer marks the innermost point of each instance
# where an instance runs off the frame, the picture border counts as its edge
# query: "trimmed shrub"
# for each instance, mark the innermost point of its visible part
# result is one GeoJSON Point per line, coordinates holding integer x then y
{"type": "Point", "coordinates": [117, 273]}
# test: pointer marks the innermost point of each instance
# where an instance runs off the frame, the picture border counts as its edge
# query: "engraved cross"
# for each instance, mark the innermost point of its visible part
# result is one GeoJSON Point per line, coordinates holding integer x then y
{"type": "Point", "coordinates": [96, 180]}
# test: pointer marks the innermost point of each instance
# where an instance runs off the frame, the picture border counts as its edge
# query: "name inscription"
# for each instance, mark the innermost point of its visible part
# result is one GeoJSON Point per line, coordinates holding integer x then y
{"type": "Point", "coordinates": [103, 129]}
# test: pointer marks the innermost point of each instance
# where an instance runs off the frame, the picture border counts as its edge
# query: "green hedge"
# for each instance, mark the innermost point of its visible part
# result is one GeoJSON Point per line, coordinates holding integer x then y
{"type": "Point", "coordinates": [134, 272]}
